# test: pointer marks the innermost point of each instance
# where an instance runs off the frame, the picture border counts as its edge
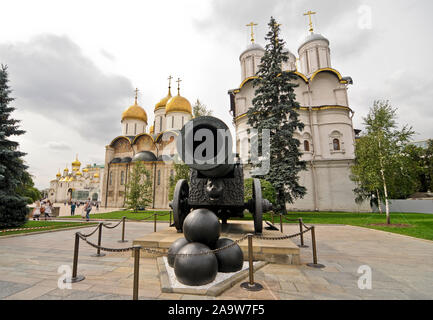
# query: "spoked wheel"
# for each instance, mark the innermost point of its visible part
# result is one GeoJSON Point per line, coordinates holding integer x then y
{"type": "Point", "coordinates": [257, 206]}
{"type": "Point", "coordinates": [180, 203]}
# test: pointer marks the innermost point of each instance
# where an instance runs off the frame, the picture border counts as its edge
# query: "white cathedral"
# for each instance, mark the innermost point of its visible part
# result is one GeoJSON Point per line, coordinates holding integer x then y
{"type": "Point", "coordinates": [328, 138]}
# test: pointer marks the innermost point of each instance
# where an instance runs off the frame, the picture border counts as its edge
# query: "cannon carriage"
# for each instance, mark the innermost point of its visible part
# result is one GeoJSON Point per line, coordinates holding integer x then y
{"type": "Point", "coordinates": [216, 175]}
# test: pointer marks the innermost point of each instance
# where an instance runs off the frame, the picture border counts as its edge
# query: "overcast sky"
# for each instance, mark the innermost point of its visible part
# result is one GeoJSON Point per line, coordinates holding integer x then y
{"type": "Point", "coordinates": [74, 65]}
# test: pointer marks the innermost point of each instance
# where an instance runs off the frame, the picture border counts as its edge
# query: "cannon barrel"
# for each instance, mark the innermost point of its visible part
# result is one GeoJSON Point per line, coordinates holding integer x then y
{"type": "Point", "coordinates": [205, 144]}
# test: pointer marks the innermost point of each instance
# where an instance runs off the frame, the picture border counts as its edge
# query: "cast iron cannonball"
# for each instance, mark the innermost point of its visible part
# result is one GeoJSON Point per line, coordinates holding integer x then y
{"type": "Point", "coordinates": [202, 225]}
{"type": "Point", "coordinates": [230, 259]}
{"type": "Point", "coordinates": [174, 248]}
{"type": "Point", "coordinates": [195, 270]}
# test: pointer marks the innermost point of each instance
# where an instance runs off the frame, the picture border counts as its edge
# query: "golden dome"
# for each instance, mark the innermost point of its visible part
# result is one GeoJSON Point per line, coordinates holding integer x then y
{"type": "Point", "coordinates": [58, 175]}
{"type": "Point", "coordinates": [135, 112]}
{"type": "Point", "coordinates": [152, 129]}
{"type": "Point", "coordinates": [79, 173]}
{"type": "Point", "coordinates": [85, 170]}
{"type": "Point", "coordinates": [163, 102]}
{"type": "Point", "coordinates": [76, 163]}
{"type": "Point", "coordinates": [178, 104]}
{"type": "Point", "coordinates": [74, 169]}
{"type": "Point", "coordinates": [96, 175]}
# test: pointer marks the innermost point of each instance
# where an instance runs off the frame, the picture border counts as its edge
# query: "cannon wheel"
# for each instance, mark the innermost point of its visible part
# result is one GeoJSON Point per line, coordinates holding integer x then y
{"type": "Point", "coordinates": [180, 203]}
{"type": "Point", "coordinates": [258, 206]}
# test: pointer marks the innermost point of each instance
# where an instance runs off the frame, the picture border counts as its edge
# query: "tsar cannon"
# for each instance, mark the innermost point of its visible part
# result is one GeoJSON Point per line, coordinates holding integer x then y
{"type": "Point", "coordinates": [216, 175]}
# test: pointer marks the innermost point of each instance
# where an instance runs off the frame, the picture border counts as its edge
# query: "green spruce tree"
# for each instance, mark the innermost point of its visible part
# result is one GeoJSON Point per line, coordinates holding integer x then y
{"type": "Point", "coordinates": [275, 108]}
{"type": "Point", "coordinates": [13, 206]}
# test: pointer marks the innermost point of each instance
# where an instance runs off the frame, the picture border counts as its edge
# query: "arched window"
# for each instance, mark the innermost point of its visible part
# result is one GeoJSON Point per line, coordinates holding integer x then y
{"type": "Point", "coordinates": [111, 177]}
{"type": "Point", "coordinates": [159, 177]}
{"type": "Point", "coordinates": [306, 145]}
{"type": "Point", "coordinates": [172, 122]}
{"type": "Point", "coordinates": [336, 144]}
{"type": "Point", "coordinates": [135, 129]}
{"type": "Point", "coordinates": [126, 129]}
{"type": "Point", "coordinates": [122, 178]}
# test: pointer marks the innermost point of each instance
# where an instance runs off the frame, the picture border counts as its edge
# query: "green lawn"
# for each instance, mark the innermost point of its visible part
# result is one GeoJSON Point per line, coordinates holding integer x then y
{"type": "Point", "coordinates": [420, 225]}
{"type": "Point", "coordinates": [49, 224]}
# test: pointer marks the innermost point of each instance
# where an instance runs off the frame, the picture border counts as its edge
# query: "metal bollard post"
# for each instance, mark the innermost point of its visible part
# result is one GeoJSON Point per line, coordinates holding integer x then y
{"type": "Point", "coordinates": [281, 223]}
{"type": "Point", "coordinates": [154, 222]}
{"type": "Point", "coordinates": [136, 271]}
{"type": "Point", "coordinates": [75, 277]}
{"type": "Point", "coordinates": [251, 285]}
{"type": "Point", "coordinates": [123, 231]}
{"type": "Point", "coordinates": [313, 243]}
{"type": "Point", "coordinates": [301, 235]}
{"type": "Point", "coordinates": [98, 251]}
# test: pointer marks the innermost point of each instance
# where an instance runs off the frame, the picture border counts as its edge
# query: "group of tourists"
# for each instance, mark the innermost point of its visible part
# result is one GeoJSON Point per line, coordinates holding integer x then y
{"type": "Point", "coordinates": [87, 207]}
{"type": "Point", "coordinates": [44, 208]}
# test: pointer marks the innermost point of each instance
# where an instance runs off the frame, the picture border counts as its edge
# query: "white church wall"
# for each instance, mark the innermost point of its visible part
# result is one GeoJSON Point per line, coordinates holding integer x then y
{"type": "Point", "coordinates": [322, 88]}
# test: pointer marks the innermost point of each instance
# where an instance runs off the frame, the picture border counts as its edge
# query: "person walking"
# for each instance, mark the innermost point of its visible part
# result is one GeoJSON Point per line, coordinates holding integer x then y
{"type": "Point", "coordinates": [73, 206]}
{"type": "Point", "coordinates": [88, 208]}
{"type": "Point", "coordinates": [37, 210]}
{"type": "Point", "coordinates": [48, 209]}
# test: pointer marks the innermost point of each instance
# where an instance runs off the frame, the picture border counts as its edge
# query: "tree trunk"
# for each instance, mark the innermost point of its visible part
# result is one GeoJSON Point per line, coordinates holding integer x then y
{"type": "Point", "coordinates": [378, 202]}
{"type": "Point", "coordinates": [382, 172]}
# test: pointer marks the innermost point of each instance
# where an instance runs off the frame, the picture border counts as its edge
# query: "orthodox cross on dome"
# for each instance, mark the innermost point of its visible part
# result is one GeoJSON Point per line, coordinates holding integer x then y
{"type": "Point", "coordinates": [309, 14]}
{"type": "Point", "coordinates": [136, 95]}
{"type": "Point", "coordinates": [178, 86]}
{"type": "Point", "coordinates": [252, 24]}
{"type": "Point", "coordinates": [169, 84]}
{"type": "Point", "coordinates": [169, 81]}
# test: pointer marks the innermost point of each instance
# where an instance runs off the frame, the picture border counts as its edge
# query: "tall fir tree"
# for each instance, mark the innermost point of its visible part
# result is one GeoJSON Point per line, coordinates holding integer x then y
{"type": "Point", "coordinates": [275, 108]}
{"type": "Point", "coordinates": [13, 206]}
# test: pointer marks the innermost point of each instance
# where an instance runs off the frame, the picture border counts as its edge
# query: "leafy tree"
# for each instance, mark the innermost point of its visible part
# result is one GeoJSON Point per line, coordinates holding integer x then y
{"type": "Point", "coordinates": [275, 108]}
{"type": "Point", "coordinates": [27, 189]}
{"type": "Point", "coordinates": [268, 191]}
{"type": "Point", "coordinates": [13, 206]}
{"type": "Point", "coordinates": [428, 165]}
{"type": "Point", "coordinates": [181, 171]}
{"type": "Point", "coordinates": [200, 109]}
{"type": "Point", "coordinates": [138, 188]}
{"type": "Point", "coordinates": [382, 167]}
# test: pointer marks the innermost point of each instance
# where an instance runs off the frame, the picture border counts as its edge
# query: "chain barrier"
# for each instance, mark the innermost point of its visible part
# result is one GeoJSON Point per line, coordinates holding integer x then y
{"type": "Point", "coordinates": [35, 228]}
{"type": "Point", "coordinates": [108, 227]}
{"type": "Point", "coordinates": [91, 233]}
{"type": "Point", "coordinates": [282, 237]}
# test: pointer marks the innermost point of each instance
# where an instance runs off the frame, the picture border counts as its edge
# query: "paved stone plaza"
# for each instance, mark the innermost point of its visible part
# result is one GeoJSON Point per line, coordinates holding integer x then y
{"type": "Point", "coordinates": [402, 267]}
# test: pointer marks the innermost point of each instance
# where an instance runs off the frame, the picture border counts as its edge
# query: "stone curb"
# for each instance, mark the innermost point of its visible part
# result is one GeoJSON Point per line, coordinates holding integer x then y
{"type": "Point", "coordinates": [46, 231]}
{"type": "Point", "coordinates": [213, 291]}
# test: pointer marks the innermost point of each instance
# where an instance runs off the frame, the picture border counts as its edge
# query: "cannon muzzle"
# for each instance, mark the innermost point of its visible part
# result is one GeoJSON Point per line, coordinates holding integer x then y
{"type": "Point", "coordinates": [205, 144]}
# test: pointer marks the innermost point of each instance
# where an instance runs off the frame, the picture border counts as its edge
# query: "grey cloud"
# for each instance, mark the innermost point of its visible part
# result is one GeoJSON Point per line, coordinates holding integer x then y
{"type": "Point", "coordinates": [51, 76]}
{"type": "Point", "coordinates": [57, 145]}
{"type": "Point", "coordinates": [228, 17]}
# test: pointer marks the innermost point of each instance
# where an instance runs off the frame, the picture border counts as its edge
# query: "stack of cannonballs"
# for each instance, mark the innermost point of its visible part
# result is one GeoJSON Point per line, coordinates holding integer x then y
{"type": "Point", "coordinates": [201, 229]}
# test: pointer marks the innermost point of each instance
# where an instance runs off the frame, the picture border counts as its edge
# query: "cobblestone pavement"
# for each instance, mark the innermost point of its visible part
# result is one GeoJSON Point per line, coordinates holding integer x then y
{"type": "Point", "coordinates": [402, 267]}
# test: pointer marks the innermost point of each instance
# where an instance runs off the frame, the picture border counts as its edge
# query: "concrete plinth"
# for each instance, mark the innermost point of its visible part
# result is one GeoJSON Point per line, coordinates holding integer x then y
{"type": "Point", "coordinates": [274, 251]}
